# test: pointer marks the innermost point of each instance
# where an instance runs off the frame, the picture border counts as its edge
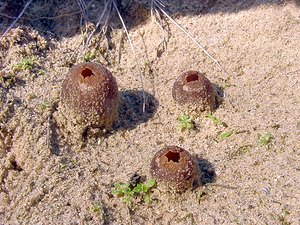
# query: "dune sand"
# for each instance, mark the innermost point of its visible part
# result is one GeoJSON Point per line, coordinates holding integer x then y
{"type": "Point", "coordinates": [45, 178]}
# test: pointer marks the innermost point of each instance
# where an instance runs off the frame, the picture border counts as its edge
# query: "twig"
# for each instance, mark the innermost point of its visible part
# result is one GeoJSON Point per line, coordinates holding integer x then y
{"type": "Point", "coordinates": [83, 8]}
{"type": "Point", "coordinates": [43, 17]}
{"type": "Point", "coordinates": [47, 17]}
{"type": "Point", "coordinates": [108, 3]}
{"type": "Point", "coordinates": [10, 17]}
{"type": "Point", "coordinates": [135, 56]}
{"type": "Point", "coordinates": [120, 46]}
{"type": "Point", "coordinates": [164, 41]}
{"type": "Point", "coordinates": [19, 16]}
{"type": "Point", "coordinates": [158, 4]}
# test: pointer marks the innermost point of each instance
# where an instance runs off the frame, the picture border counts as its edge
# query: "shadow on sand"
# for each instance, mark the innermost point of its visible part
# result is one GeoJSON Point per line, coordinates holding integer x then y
{"type": "Point", "coordinates": [207, 172]}
{"type": "Point", "coordinates": [64, 18]}
{"type": "Point", "coordinates": [131, 109]}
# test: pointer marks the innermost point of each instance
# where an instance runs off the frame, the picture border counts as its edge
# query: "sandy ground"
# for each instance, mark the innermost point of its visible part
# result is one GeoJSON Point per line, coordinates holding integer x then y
{"type": "Point", "coordinates": [46, 180]}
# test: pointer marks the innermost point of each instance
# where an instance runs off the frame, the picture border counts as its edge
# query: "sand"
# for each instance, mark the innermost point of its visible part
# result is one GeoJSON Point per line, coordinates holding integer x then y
{"type": "Point", "coordinates": [47, 179]}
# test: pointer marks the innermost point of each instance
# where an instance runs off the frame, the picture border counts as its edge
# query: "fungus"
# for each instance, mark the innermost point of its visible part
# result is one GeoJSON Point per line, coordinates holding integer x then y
{"type": "Point", "coordinates": [89, 99]}
{"type": "Point", "coordinates": [194, 90]}
{"type": "Point", "coordinates": [175, 168]}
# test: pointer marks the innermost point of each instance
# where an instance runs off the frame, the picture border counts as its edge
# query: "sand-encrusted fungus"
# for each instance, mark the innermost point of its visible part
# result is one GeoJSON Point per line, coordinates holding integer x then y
{"type": "Point", "coordinates": [89, 99]}
{"type": "Point", "coordinates": [193, 90]}
{"type": "Point", "coordinates": [174, 169]}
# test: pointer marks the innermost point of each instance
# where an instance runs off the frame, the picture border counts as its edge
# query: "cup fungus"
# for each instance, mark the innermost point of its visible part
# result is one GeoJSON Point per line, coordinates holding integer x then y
{"type": "Point", "coordinates": [175, 168]}
{"type": "Point", "coordinates": [194, 90]}
{"type": "Point", "coordinates": [89, 98]}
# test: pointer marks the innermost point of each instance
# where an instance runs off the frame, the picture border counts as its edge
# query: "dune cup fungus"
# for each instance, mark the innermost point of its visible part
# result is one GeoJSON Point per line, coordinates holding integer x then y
{"type": "Point", "coordinates": [174, 168]}
{"type": "Point", "coordinates": [194, 90]}
{"type": "Point", "coordinates": [89, 99]}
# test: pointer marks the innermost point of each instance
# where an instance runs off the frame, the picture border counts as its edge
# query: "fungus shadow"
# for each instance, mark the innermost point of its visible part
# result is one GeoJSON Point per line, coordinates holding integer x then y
{"type": "Point", "coordinates": [207, 172]}
{"type": "Point", "coordinates": [131, 109]}
{"type": "Point", "coordinates": [220, 94]}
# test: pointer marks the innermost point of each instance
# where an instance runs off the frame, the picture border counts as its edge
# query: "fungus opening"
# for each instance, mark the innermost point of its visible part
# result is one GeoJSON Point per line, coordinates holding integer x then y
{"type": "Point", "coordinates": [173, 156]}
{"type": "Point", "coordinates": [192, 77]}
{"type": "Point", "coordinates": [86, 72]}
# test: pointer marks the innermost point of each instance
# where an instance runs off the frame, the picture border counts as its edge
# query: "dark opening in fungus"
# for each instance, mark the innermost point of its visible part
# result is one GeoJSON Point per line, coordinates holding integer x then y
{"type": "Point", "coordinates": [86, 72]}
{"type": "Point", "coordinates": [194, 90]}
{"type": "Point", "coordinates": [173, 156]}
{"type": "Point", "coordinates": [192, 77]}
{"type": "Point", "coordinates": [175, 168]}
{"type": "Point", "coordinates": [89, 99]}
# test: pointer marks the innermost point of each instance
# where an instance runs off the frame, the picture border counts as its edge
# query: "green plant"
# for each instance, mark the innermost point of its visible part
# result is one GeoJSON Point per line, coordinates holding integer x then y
{"type": "Point", "coordinates": [31, 96]}
{"type": "Point", "coordinates": [96, 208]}
{"type": "Point", "coordinates": [127, 192]}
{"type": "Point", "coordinates": [44, 105]}
{"type": "Point", "coordinates": [41, 72]}
{"type": "Point", "coordinates": [265, 139]}
{"type": "Point", "coordinates": [242, 150]}
{"type": "Point", "coordinates": [185, 123]}
{"type": "Point", "coordinates": [215, 120]}
{"type": "Point", "coordinates": [226, 134]}
{"type": "Point", "coordinates": [89, 56]}
{"type": "Point", "coordinates": [24, 64]}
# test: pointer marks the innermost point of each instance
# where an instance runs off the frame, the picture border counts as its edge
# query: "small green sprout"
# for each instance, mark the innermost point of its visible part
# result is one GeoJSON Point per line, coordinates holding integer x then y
{"type": "Point", "coordinates": [96, 208]}
{"type": "Point", "coordinates": [44, 105]}
{"type": "Point", "coordinates": [185, 123]}
{"type": "Point", "coordinates": [89, 56]}
{"type": "Point", "coordinates": [241, 151]}
{"type": "Point", "coordinates": [226, 134]}
{"type": "Point", "coordinates": [127, 192]}
{"type": "Point", "coordinates": [122, 190]}
{"type": "Point", "coordinates": [41, 73]}
{"type": "Point", "coordinates": [265, 139]}
{"type": "Point", "coordinates": [215, 120]}
{"type": "Point", "coordinates": [31, 96]}
{"type": "Point", "coordinates": [25, 64]}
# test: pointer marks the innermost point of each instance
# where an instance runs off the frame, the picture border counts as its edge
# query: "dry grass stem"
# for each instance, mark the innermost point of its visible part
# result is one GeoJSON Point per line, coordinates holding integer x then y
{"type": "Point", "coordinates": [159, 5]}
{"type": "Point", "coordinates": [105, 13]}
{"type": "Point", "coordinates": [158, 20]}
{"type": "Point", "coordinates": [135, 56]}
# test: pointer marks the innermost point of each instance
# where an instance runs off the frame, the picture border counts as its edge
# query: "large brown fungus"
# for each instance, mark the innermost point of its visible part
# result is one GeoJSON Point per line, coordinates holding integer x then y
{"type": "Point", "coordinates": [89, 99]}
{"type": "Point", "coordinates": [194, 90]}
{"type": "Point", "coordinates": [175, 168]}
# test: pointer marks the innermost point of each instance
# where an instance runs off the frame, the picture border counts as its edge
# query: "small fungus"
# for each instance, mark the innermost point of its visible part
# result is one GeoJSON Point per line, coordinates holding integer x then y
{"type": "Point", "coordinates": [89, 98]}
{"type": "Point", "coordinates": [194, 90]}
{"type": "Point", "coordinates": [175, 168]}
